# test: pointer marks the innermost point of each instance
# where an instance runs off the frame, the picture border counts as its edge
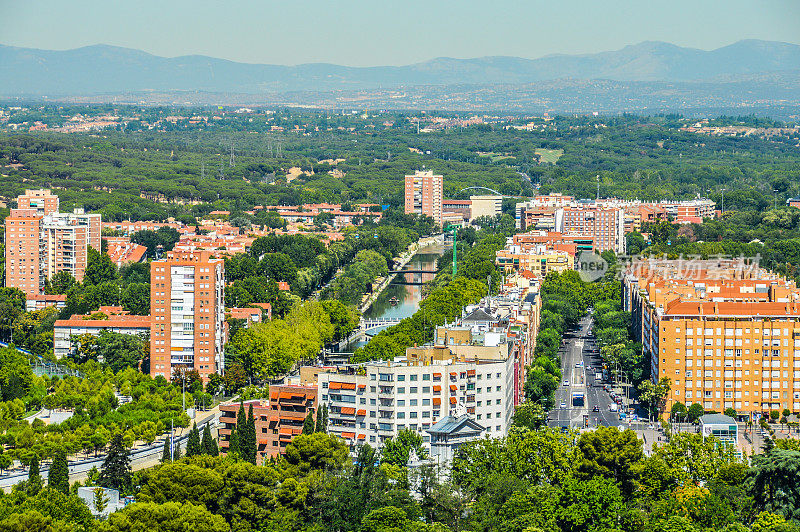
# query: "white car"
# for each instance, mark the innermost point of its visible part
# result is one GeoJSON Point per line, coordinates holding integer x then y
{"type": "Point", "coordinates": [566, 382]}
{"type": "Point", "coordinates": [578, 364]}
{"type": "Point", "coordinates": [563, 404]}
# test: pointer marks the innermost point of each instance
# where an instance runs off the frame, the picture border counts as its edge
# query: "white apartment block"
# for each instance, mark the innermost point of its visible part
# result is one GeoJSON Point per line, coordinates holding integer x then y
{"type": "Point", "coordinates": [392, 396]}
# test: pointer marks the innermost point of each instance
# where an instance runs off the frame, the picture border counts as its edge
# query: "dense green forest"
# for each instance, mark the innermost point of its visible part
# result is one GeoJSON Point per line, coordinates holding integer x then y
{"type": "Point", "coordinates": [121, 172]}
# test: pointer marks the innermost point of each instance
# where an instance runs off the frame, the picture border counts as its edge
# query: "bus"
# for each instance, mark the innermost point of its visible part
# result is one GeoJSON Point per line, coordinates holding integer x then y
{"type": "Point", "coordinates": [578, 399]}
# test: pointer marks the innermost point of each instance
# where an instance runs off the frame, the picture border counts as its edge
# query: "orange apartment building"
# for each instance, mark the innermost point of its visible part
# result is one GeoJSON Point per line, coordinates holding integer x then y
{"type": "Point", "coordinates": [40, 241]}
{"type": "Point", "coordinates": [278, 420]}
{"type": "Point", "coordinates": [424, 194]}
{"type": "Point", "coordinates": [187, 314]}
{"type": "Point", "coordinates": [726, 334]}
{"type": "Point", "coordinates": [23, 228]}
{"type": "Point", "coordinates": [42, 201]}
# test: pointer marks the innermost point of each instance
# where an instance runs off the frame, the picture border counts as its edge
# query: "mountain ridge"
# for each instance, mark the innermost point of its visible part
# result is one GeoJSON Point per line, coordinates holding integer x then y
{"type": "Point", "coordinates": [103, 69]}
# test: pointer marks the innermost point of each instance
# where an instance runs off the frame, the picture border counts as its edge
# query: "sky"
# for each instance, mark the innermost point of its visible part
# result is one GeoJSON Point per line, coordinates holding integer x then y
{"type": "Point", "coordinates": [389, 32]}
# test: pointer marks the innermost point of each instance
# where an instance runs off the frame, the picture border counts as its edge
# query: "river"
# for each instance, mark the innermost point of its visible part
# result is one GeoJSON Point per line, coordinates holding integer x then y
{"type": "Point", "coordinates": [408, 295]}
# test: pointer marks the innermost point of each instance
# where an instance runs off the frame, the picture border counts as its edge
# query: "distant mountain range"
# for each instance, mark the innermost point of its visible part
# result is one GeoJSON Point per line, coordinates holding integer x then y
{"type": "Point", "coordinates": [104, 70]}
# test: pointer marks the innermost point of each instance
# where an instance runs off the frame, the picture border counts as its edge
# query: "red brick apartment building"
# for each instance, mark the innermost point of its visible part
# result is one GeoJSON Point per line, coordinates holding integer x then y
{"type": "Point", "coordinates": [278, 420]}
{"type": "Point", "coordinates": [187, 314]}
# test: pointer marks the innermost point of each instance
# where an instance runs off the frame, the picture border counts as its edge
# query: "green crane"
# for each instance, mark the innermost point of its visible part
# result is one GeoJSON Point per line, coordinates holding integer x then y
{"type": "Point", "coordinates": [454, 229]}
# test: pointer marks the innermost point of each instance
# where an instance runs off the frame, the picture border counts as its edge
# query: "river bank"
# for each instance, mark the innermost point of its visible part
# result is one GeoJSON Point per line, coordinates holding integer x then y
{"type": "Point", "coordinates": [400, 263]}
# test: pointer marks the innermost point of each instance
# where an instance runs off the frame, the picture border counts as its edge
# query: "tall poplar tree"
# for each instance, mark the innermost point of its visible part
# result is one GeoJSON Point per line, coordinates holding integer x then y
{"type": "Point", "coordinates": [193, 443]}
{"type": "Point", "coordinates": [209, 445]}
{"type": "Point", "coordinates": [308, 424]}
{"type": "Point", "coordinates": [165, 454]}
{"type": "Point", "coordinates": [34, 478]}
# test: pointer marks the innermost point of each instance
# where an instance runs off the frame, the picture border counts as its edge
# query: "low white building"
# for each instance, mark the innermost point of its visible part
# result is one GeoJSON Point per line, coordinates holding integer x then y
{"type": "Point", "coordinates": [115, 321]}
{"type": "Point", "coordinates": [450, 433]}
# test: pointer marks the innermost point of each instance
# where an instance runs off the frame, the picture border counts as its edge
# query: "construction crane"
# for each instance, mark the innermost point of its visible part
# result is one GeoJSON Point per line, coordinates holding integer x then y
{"type": "Point", "coordinates": [454, 229]}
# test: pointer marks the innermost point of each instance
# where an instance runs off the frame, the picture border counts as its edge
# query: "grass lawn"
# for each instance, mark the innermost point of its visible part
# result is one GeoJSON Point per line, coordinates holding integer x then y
{"type": "Point", "coordinates": [549, 156]}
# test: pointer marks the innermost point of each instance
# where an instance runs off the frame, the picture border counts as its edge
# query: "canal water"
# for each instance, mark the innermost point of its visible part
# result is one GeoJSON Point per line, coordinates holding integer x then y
{"type": "Point", "coordinates": [408, 295]}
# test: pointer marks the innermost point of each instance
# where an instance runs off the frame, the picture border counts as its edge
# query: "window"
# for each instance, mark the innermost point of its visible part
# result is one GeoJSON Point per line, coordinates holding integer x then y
{"type": "Point", "coordinates": [412, 377]}
{"type": "Point", "coordinates": [413, 389]}
{"type": "Point", "coordinates": [401, 378]}
{"type": "Point", "coordinates": [426, 377]}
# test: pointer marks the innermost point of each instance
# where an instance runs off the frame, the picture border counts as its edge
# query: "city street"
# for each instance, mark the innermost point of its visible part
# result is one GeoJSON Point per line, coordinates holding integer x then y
{"type": "Point", "coordinates": [579, 367]}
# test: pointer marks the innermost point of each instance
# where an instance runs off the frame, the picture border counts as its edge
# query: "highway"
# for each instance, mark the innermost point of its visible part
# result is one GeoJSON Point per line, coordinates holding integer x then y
{"type": "Point", "coordinates": [578, 366]}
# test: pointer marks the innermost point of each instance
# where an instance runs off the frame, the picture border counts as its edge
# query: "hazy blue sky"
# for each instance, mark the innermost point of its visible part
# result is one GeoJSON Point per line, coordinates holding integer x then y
{"type": "Point", "coordinates": [384, 32]}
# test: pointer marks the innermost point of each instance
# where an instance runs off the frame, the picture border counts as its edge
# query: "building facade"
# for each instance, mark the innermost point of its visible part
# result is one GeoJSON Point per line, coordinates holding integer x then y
{"type": "Point", "coordinates": [278, 420]}
{"type": "Point", "coordinates": [187, 314]}
{"type": "Point", "coordinates": [23, 228]}
{"type": "Point", "coordinates": [392, 396]}
{"type": "Point", "coordinates": [41, 242]}
{"type": "Point", "coordinates": [424, 194]}
{"type": "Point", "coordinates": [42, 201]}
{"type": "Point", "coordinates": [537, 259]}
{"type": "Point", "coordinates": [726, 333]}
{"type": "Point", "coordinates": [490, 206]}
{"type": "Point", "coordinates": [117, 321]}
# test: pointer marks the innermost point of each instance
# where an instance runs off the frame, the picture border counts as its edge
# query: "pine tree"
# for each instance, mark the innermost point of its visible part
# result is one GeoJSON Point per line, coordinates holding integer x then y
{"type": "Point", "coordinates": [308, 424]}
{"type": "Point", "coordinates": [165, 453]}
{"type": "Point", "coordinates": [58, 475]}
{"type": "Point", "coordinates": [34, 478]}
{"type": "Point", "coordinates": [193, 443]}
{"type": "Point", "coordinates": [116, 470]}
{"type": "Point", "coordinates": [209, 445]}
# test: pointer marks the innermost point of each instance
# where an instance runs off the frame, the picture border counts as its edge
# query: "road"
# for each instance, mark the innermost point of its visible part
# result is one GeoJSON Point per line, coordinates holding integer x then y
{"type": "Point", "coordinates": [141, 458]}
{"type": "Point", "coordinates": [578, 366]}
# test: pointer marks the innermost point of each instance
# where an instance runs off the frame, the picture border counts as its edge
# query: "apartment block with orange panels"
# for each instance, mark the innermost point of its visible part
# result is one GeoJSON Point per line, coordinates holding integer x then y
{"type": "Point", "coordinates": [726, 333]}
{"type": "Point", "coordinates": [187, 314]}
{"type": "Point", "coordinates": [278, 420]}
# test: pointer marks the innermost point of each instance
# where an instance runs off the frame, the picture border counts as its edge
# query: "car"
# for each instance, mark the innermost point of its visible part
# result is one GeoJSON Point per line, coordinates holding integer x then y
{"type": "Point", "coordinates": [613, 407]}
{"type": "Point", "coordinates": [566, 382]}
{"type": "Point", "coordinates": [563, 404]}
{"type": "Point", "coordinates": [595, 408]}
{"type": "Point", "coordinates": [578, 364]}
